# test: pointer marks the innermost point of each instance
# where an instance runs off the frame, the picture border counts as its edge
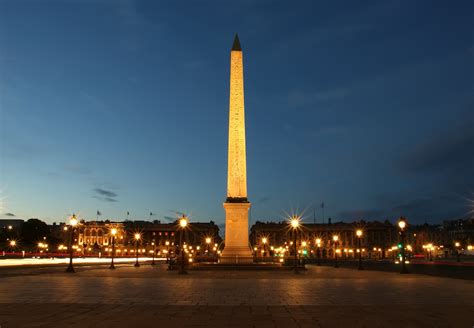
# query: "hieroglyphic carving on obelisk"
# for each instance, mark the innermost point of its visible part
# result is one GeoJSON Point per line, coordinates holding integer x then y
{"type": "Point", "coordinates": [236, 206]}
{"type": "Point", "coordinates": [236, 166]}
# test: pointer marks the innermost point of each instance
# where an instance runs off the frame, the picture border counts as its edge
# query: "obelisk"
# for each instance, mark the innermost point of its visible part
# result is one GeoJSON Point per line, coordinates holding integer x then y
{"type": "Point", "coordinates": [236, 206]}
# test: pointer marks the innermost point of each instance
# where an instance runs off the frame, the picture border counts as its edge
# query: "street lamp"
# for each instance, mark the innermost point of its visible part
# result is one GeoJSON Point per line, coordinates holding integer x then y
{"type": "Point", "coordinates": [318, 254]}
{"type": "Point", "coordinates": [168, 257]}
{"type": "Point", "coordinates": [430, 256]}
{"type": "Point", "coordinates": [335, 238]}
{"type": "Point", "coordinates": [208, 242]}
{"type": "Point", "coordinates": [359, 237]}
{"type": "Point", "coordinates": [264, 242]}
{"type": "Point", "coordinates": [402, 225]}
{"type": "Point", "coordinates": [153, 255]}
{"type": "Point", "coordinates": [295, 223]}
{"type": "Point", "coordinates": [137, 240]}
{"type": "Point", "coordinates": [113, 232]}
{"type": "Point", "coordinates": [73, 223]}
{"type": "Point", "coordinates": [183, 223]}
{"type": "Point", "coordinates": [458, 253]}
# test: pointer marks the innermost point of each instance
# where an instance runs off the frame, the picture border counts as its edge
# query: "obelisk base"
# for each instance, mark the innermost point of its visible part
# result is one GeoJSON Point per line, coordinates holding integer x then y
{"type": "Point", "coordinates": [237, 249]}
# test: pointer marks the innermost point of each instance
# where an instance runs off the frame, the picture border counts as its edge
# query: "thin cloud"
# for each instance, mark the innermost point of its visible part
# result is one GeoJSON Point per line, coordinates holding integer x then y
{"type": "Point", "coordinates": [105, 195]}
{"type": "Point", "coordinates": [104, 192]}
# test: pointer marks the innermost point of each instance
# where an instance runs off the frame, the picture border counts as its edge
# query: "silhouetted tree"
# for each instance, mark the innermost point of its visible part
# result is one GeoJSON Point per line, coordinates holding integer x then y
{"type": "Point", "coordinates": [33, 231]}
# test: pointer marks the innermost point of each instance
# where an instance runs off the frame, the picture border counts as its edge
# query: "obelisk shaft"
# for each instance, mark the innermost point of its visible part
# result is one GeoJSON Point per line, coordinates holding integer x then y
{"type": "Point", "coordinates": [236, 206]}
{"type": "Point", "coordinates": [236, 166]}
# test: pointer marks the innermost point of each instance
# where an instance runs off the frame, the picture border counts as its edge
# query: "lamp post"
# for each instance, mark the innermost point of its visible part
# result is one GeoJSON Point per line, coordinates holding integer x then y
{"type": "Point", "coordinates": [153, 255]}
{"type": "Point", "coordinates": [208, 242]}
{"type": "Point", "coordinates": [402, 225]}
{"type": "Point", "coordinates": [264, 242]}
{"type": "Point", "coordinates": [359, 237]}
{"type": "Point", "coordinates": [335, 238]}
{"type": "Point", "coordinates": [458, 253]}
{"type": "Point", "coordinates": [318, 252]}
{"type": "Point", "coordinates": [430, 256]}
{"type": "Point", "coordinates": [295, 223]}
{"type": "Point", "coordinates": [167, 243]}
{"type": "Point", "coordinates": [183, 223]}
{"type": "Point", "coordinates": [113, 232]}
{"type": "Point", "coordinates": [73, 223]}
{"type": "Point", "coordinates": [137, 240]}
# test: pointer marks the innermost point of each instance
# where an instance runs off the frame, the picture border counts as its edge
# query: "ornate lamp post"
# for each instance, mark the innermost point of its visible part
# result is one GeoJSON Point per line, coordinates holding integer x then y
{"type": "Point", "coordinates": [153, 255]}
{"type": "Point", "coordinates": [167, 243]}
{"type": "Point", "coordinates": [295, 223]}
{"type": "Point", "coordinates": [72, 223]}
{"type": "Point", "coordinates": [402, 225]}
{"type": "Point", "coordinates": [458, 253]}
{"type": "Point", "coordinates": [359, 237]}
{"type": "Point", "coordinates": [264, 242]}
{"type": "Point", "coordinates": [335, 238]}
{"type": "Point", "coordinates": [113, 232]}
{"type": "Point", "coordinates": [208, 242]}
{"type": "Point", "coordinates": [137, 240]}
{"type": "Point", "coordinates": [430, 255]}
{"type": "Point", "coordinates": [318, 251]}
{"type": "Point", "coordinates": [183, 223]}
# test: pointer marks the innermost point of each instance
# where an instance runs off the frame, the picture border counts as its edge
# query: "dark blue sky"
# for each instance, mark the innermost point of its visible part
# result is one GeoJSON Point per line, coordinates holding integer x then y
{"type": "Point", "coordinates": [122, 106]}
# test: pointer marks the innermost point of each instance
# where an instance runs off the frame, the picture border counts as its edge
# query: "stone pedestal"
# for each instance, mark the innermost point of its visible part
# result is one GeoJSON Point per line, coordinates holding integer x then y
{"type": "Point", "coordinates": [237, 249]}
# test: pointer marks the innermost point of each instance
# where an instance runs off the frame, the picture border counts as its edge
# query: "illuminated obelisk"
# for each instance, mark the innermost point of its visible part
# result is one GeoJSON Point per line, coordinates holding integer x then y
{"type": "Point", "coordinates": [236, 206]}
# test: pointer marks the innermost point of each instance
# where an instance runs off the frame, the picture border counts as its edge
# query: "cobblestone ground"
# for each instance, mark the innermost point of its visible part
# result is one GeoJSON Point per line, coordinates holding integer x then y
{"type": "Point", "coordinates": [153, 297]}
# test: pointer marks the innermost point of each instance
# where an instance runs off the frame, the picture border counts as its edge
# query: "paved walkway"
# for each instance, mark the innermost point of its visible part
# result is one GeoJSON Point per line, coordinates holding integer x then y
{"type": "Point", "coordinates": [151, 296]}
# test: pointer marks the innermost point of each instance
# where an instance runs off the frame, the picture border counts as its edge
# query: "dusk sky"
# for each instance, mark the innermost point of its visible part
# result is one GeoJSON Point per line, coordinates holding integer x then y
{"type": "Point", "coordinates": [123, 106]}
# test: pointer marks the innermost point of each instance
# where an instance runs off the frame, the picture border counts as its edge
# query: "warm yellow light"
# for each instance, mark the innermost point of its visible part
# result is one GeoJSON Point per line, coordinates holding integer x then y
{"type": "Point", "coordinates": [318, 241]}
{"type": "Point", "coordinates": [335, 237]}
{"type": "Point", "coordinates": [167, 243]}
{"type": "Point", "coordinates": [402, 224]}
{"type": "Point", "coordinates": [208, 240]}
{"type": "Point", "coordinates": [73, 220]}
{"type": "Point", "coordinates": [295, 222]}
{"type": "Point", "coordinates": [113, 231]}
{"type": "Point", "coordinates": [359, 233]}
{"type": "Point", "coordinates": [303, 244]}
{"type": "Point", "coordinates": [457, 244]}
{"type": "Point", "coordinates": [183, 222]}
{"type": "Point", "coordinates": [12, 243]}
{"type": "Point", "coordinates": [137, 236]}
{"type": "Point", "coordinates": [264, 240]}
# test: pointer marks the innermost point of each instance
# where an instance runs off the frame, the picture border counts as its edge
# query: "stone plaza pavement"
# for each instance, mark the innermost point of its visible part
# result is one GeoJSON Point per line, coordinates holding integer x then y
{"type": "Point", "coordinates": [153, 297]}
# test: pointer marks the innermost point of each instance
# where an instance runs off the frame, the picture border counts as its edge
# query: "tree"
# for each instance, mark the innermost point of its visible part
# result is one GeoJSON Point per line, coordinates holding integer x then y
{"type": "Point", "coordinates": [33, 231]}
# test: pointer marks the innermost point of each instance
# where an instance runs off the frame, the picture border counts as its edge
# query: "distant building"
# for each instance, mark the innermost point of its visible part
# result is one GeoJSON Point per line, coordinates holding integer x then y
{"type": "Point", "coordinates": [377, 238]}
{"type": "Point", "coordinates": [10, 224]}
{"type": "Point", "coordinates": [461, 230]}
{"type": "Point", "coordinates": [93, 237]}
